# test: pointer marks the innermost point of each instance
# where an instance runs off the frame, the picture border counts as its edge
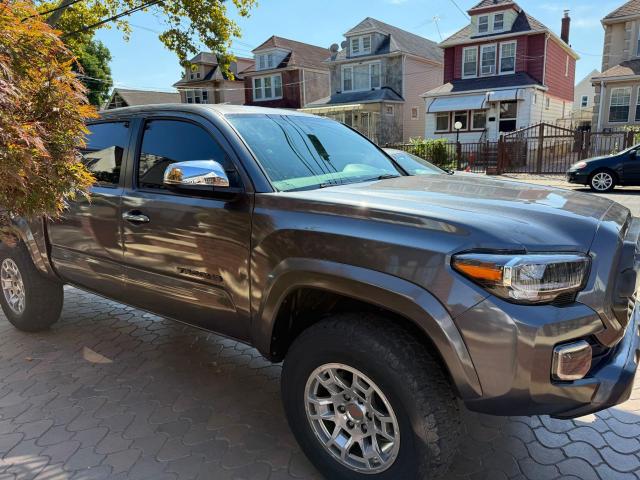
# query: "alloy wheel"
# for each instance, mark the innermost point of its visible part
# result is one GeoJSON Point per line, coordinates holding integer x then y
{"type": "Point", "coordinates": [352, 418]}
{"type": "Point", "coordinates": [12, 285]}
{"type": "Point", "coordinates": [602, 181]}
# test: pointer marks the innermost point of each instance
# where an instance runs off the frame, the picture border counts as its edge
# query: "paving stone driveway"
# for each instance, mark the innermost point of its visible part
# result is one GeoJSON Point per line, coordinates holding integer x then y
{"type": "Point", "coordinates": [112, 392]}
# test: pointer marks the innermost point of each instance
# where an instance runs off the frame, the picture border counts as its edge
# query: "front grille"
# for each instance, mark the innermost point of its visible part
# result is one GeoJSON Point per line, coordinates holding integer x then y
{"type": "Point", "coordinates": [564, 299]}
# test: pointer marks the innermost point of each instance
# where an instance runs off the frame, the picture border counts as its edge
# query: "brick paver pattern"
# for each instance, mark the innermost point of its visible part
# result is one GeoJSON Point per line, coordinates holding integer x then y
{"type": "Point", "coordinates": [113, 392]}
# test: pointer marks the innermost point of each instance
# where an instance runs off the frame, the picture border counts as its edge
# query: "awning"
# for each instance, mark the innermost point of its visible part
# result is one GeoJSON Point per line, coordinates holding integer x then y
{"type": "Point", "coordinates": [332, 108]}
{"type": "Point", "coordinates": [458, 102]}
{"type": "Point", "coordinates": [504, 95]}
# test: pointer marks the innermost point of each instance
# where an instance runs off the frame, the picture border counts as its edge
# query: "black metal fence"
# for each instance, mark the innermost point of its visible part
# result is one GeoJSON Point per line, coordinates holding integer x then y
{"type": "Point", "coordinates": [542, 149]}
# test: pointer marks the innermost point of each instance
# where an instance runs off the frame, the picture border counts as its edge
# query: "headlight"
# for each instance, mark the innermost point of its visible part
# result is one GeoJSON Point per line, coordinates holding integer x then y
{"type": "Point", "coordinates": [579, 166]}
{"type": "Point", "coordinates": [536, 278]}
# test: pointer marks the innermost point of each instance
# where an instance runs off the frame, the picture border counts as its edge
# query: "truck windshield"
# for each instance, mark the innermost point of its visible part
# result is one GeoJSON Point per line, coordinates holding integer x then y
{"type": "Point", "coordinates": [299, 152]}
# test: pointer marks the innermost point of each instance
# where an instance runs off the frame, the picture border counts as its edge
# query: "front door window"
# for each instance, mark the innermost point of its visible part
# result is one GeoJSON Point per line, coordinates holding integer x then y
{"type": "Point", "coordinates": [508, 116]}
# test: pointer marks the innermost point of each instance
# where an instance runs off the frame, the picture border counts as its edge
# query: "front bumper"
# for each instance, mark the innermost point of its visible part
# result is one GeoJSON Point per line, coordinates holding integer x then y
{"type": "Point", "coordinates": [578, 176]}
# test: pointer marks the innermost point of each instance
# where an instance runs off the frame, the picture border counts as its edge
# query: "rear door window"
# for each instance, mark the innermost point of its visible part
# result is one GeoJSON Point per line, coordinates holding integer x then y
{"type": "Point", "coordinates": [104, 152]}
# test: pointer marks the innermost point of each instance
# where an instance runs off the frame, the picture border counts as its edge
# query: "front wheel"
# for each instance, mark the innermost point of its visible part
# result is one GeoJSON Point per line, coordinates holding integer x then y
{"type": "Point", "coordinates": [602, 181]}
{"type": "Point", "coordinates": [30, 301]}
{"type": "Point", "coordinates": [366, 400]}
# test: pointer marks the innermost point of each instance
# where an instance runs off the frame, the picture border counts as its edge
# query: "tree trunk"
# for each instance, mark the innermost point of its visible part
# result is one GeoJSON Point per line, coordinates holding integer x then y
{"type": "Point", "coordinates": [54, 18]}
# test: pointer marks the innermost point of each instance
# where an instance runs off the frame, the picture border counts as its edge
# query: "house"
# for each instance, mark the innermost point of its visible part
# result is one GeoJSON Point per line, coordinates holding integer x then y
{"type": "Point", "coordinates": [504, 71]}
{"type": "Point", "coordinates": [583, 100]}
{"type": "Point", "coordinates": [617, 97]}
{"type": "Point", "coordinates": [286, 74]}
{"type": "Point", "coordinates": [124, 97]}
{"type": "Point", "coordinates": [204, 80]}
{"type": "Point", "coordinates": [377, 79]}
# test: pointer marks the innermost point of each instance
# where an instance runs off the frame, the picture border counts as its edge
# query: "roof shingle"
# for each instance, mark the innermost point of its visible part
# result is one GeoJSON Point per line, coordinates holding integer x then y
{"type": "Point", "coordinates": [523, 23]}
{"type": "Point", "coordinates": [628, 9]}
{"type": "Point", "coordinates": [492, 3]}
{"type": "Point", "coordinates": [520, 79]}
{"type": "Point", "coordinates": [630, 67]}
{"type": "Point", "coordinates": [302, 54]}
{"type": "Point", "coordinates": [384, 94]}
{"type": "Point", "coordinates": [146, 97]}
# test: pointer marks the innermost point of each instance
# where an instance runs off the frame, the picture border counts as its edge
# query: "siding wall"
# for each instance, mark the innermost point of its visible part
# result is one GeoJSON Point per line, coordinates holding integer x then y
{"type": "Point", "coordinates": [560, 85]}
{"type": "Point", "coordinates": [606, 98]}
{"type": "Point", "coordinates": [316, 85]}
{"type": "Point", "coordinates": [419, 77]}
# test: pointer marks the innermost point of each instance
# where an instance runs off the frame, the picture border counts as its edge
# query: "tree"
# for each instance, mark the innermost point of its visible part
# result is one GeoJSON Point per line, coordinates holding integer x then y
{"type": "Point", "coordinates": [188, 23]}
{"type": "Point", "coordinates": [43, 109]}
{"type": "Point", "coordinates": [93, 58]}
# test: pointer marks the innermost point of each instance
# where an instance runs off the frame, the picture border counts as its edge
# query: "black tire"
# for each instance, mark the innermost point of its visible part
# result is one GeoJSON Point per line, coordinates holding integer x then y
{"type": "Point", "coordinates": [43, 298]}
{"type": "Point", "coordinates": [601, 187]}
{"type": "Point", "coordinates": [417, 389]}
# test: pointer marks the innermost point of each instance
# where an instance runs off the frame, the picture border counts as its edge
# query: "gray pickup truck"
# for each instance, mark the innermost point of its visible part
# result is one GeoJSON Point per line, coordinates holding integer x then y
{"type": "Point", "coordinates": [394, 300]}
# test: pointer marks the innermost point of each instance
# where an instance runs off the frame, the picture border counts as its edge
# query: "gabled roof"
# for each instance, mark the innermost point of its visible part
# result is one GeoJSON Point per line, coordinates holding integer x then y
{"type": "Point", "coordinates": [520, 79]}
{"type": "Point", "coordinates": [302, 54]}
{"type": "Point", "coordinates": [522, 24]}
{"type": "Point", "coordinates": [384, 94]}
{"type": "Point", "coordinates": [492, 3]}
{"type": "Point", "coordinates": [624, 69]}
{"type": "Point", "coordinates": [398, 41]}
{"type": "Point", "coordinates": [145, 97]}
{"type": "Point", "coordinates": [629, 9]}
{"type": "Point", "coordinates": [210, 60]}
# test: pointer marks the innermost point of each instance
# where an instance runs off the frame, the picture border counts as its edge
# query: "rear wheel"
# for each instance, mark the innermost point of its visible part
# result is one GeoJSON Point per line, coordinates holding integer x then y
{"type": "Point", "coordinates": [602, 181]}
{"type": "Point", "coordinates": [365, 400]}
{"type": "Point", "coordinates": [30, 301]}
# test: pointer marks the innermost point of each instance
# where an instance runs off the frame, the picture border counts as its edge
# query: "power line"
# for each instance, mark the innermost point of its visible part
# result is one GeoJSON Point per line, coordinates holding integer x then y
{"type": "Point", "coordinates": [115, 17]}
{"type": "Point", "coordinates": [47, 12]}
{"type": "Point", "coordinates": [460, 9]}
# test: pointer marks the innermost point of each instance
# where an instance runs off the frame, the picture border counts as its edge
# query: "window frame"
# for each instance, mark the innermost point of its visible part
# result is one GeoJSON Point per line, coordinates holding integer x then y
{"type": "Point", "coordinates": [441, 114]}
{"type": "Point", "coordinates": [494, 22]}
{"type": "Point", "coordinates": [263, 87]}
{"type": "Point", "coordinates": [387, 112]}
{"type": "Point", "coordinates": [193, 93]}
{"type": "Point", "coordinates": [637, 116]}
{"type": "Point", "coordinates": [472, 125]}
{"type": "Point", "coordinates": [630, 90]}
{"type": "Point", "coordinates": [125, 154]}
{"type": "Point", "coordinates": [214, 134]}
{"type": "Point", "coordinates": [417, 113]}
{"type": "Point", "coordinates": [465, 125]}
{"type": "Point", "coordinates": [351, 66]}
{"type": "Point", "coordinates": [464, 50]}
{"type": "Point", "coordinates": [515, 57]}
{"type": "Point", "coordinates": [480, 17]}
{"type": "Point", "coordinates": [359, 41]}
{"type": "Point", "coordinates": [495, 59]}
{"type": "Point", "coordinates": [584, 101]}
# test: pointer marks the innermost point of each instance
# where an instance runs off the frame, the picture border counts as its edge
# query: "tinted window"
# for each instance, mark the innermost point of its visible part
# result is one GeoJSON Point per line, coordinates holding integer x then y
{"type": "Point", "coordinates": [169, 141]}
{"type": "Point", "coordinates": [300, 152]}
{"type": "Point", "coordinates": [103, 154]}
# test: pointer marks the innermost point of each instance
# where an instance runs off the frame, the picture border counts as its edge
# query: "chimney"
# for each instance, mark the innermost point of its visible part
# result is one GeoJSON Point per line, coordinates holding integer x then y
{"type": "Point", "coordinates": [566, 26]}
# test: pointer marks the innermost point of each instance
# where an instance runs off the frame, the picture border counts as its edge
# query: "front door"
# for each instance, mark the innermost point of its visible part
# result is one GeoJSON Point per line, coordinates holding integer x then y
{"type": "Point", "coordinates": [86, 246]}
{"type": "Point", "coordinates": [508, 116]}
{"type": "Point", "coordinates": [186, 255]}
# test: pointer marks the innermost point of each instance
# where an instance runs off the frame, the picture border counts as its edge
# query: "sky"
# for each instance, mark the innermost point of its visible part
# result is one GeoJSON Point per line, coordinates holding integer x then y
{"type": "Point", "coordinates": [143, 62]}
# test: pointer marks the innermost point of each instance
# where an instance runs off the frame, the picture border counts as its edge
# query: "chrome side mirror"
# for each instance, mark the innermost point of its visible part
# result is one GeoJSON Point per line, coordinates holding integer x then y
{"type": "Point", "coordinates": [196, 173]}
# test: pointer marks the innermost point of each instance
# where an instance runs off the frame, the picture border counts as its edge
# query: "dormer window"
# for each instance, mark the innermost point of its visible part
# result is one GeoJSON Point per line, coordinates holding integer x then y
{"type": "Point", "coordinates": [483, 24]}
{"type": "Point", "coordinates": [361, 45]}
{"type": "Point", "coordinates": [498, 22]}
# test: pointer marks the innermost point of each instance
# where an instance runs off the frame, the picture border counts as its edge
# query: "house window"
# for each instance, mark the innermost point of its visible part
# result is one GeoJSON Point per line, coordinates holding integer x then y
{"type": "Point", "coordinates": [547, 103]}
{"type": "Point", "coordinates": [584, 101]}
{"type": "Point", "coordinates": [566, 67]}
{"type": "Point", "coordinates": [483, 24]}
{"type": "Point", "coordinates": [638, 45]}
{"type": "Point", "coordinates": [619, 105]}
{"type": "Point", "coordinates": [479, 120]}
{"type": "Point", "coordinates": [261, 62]}
{"type": "Point", "coordinates": [498, 22]}
{"type": "Point", "coordinates": [442, 122]}
{"type": "Point", "coordinates": [360, 77]}
{"type": "Point", "coordinates": [638, 106]}
{"type": "Point", "coordinates": [414, 113]}
{"type": "Point", "coordinates": [267, 88]}
{"type": "Point", "coordinates": [488, 60]}
{"type": "Point", "coordinates": [198, 75]}
{"type": "Point", "coordinates": [508, 116]}
{"type": "Point", "coordinates": [508, 57]}
{"type": "Point", "coordinates": [197, 96]}
{"type": "Point", "coordinates": [388, 109]}
{"type": "Point", "coordinates": [463, 118]}
{"type": "Point", "coordinates": [470, 62]}
{"type": "Point", "coordinates": [270, 60]}
{"type": "Point", "coordinates": [534, 99]}
{"type": "Point", "coordinates": [361, 45]}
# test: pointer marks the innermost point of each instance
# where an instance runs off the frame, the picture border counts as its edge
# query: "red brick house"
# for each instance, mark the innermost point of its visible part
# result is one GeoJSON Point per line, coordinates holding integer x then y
{"type": "Point", "coordinates": [287, 74]}
{"type": "Point", "coordinates": [503, 71]}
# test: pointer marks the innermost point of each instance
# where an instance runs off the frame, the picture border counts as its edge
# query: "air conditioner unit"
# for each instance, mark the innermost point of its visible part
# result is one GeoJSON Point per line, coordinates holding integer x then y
{"type": "Point", "coordinates": [488, 69]}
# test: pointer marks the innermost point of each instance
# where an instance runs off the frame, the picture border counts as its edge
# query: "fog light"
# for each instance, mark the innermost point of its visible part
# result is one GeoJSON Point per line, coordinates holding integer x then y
{"type": "Point", "coordinates": [571, 361]}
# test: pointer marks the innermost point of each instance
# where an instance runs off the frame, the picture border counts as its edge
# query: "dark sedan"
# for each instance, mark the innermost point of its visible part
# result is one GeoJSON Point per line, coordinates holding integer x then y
{"type": "Point", "coordinates": [602, 174]}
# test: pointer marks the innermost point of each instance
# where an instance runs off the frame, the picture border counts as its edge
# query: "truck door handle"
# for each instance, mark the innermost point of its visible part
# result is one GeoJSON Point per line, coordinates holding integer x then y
{"type": "Point", "coordinates": [135, 216]}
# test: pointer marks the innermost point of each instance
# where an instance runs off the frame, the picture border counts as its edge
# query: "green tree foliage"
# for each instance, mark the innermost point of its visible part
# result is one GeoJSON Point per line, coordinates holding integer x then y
{"type": "Point", "coordinates": [93, 58]}
{"type": "Point", "coordinates": [43, 109]}
{"type": "Point", "coordinates": [189, 25]}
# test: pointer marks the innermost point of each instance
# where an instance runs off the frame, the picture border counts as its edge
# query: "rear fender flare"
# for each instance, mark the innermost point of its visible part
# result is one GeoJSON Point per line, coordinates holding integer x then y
{"type": "Point", "coordinates": [32, 234]}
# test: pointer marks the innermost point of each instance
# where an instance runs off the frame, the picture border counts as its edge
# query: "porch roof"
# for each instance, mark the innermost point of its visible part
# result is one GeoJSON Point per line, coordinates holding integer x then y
{"type": "Point", "coordinates": [520, 79]}
{"type": "Point", "coordinates": [458, 102]}
{"type": "Point", "coordinates": [384, 94]}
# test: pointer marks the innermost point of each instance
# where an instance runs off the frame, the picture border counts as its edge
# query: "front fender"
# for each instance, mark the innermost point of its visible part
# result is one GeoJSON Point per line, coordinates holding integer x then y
{"type": "Point", "coordinates": [377, 288]}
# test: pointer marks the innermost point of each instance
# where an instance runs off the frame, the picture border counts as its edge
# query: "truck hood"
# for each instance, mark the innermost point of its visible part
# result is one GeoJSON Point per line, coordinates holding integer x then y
{"type": "Point", "coordinates": [487, 213]}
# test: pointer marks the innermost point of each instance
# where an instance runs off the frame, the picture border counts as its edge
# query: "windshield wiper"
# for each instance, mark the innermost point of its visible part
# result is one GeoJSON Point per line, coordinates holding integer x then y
{"type": "Point", "coordinates": [386, 176]}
